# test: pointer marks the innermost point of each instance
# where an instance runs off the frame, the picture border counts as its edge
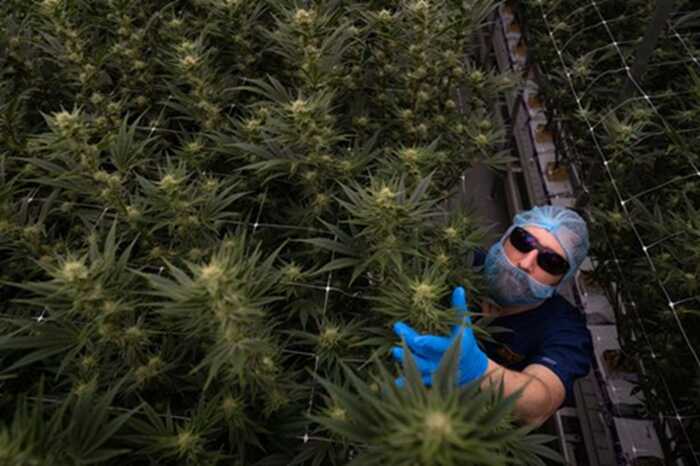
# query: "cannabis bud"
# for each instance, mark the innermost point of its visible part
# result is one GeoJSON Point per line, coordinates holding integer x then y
{"type": "Point", "coordinates": [385, 197]}
{"type": "Point", "coordinates": [194, 147]}
{"type": "Point", "coordinates": [476, 77]}
{"type": "Point", "coordinates": [304, 18]}
{"type": "Point", "coordinates": [169, 183]}
{"type": "Point", "coordinates": [451, 233]}
{"type": "Point", "coordinates": [68, 123]}
{"type": "Point", "coordinates": [424, 294]}
{"type": "Point", "coordinates": [298, 106]}
{"type": "Point", "coordinates": [189, 61]}
{"type": "Point", "coordinates": [409, 155]}
{"type": "Point", "coordinates": [420, 7]}
{"type": "Point", "coordinates": [292, 272]}
{"type": "Point", "coordinates": [73, 271]}
{"type": "Point", "coordinates": [438, 425]}
{"type": "Point", "coordinates": [329, 337]}
{"type": "Point", "coordinates": [175, 23]}
{"type": "Point", "coordinates": [384, 16]}
{"type": "Point", "coordinates": [211, 276]}
{"type": "Point", "coordinates": [481, 140]}
{"type": "Point", "coordinates": [49, 6]}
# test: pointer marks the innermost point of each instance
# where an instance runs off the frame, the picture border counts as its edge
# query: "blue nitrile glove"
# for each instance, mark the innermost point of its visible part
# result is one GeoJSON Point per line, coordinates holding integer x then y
{"type": "Point", "coordinates": [428, 349]}
{"type": "Point", "coordinates": [426, 367]}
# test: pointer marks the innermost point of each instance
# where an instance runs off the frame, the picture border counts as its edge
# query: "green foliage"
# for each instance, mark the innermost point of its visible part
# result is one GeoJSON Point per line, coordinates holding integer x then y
{"type": "Point", "coordinates": [419, 297]}
{"type": "Point", "coordinates": [186, 440]}
{"type": "Point", "coordinates": [649, 143]}
{"type": "Point", "coordinates": [430, 426]}
{"type": "Point", "coordinates": [206, 201]}
{"type": "Point", "coordinates": [81, 431]}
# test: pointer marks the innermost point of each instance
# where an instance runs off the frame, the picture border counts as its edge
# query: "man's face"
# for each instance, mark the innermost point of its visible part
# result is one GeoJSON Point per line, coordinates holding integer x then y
{"type": "Point", "coordinates": [528, 261]}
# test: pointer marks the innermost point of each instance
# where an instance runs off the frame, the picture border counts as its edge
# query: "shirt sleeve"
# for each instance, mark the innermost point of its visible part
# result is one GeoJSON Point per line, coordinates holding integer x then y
{"type": "Point", "coordinates": [567, 351]}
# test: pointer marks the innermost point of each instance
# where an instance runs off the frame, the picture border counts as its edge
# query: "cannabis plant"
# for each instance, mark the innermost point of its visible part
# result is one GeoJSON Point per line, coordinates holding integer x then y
{"type": "Point", "coordinates": [208, 206]}
{"type": "Point", "coordinates": [632, 134]}
{"type": "Point", "coordinates": [429, 426]}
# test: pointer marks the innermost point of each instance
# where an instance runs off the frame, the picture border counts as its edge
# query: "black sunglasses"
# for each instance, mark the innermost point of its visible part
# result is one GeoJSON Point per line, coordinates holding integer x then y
{"type": "Point", "coordinates": [548, 260]}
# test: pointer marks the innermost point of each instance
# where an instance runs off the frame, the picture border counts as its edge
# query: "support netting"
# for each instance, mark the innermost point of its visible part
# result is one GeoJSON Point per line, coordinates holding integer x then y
{"type": "Point", "coordinates": [632, 131]}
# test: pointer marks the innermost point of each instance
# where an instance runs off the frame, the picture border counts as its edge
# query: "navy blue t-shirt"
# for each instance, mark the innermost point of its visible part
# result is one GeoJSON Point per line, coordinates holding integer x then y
{"type": "Point", "coordinates": [553, 335]}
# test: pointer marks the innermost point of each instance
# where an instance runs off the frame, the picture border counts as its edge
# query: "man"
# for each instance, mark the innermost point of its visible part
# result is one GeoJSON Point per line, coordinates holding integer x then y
{"type": "Point", "coordinates": [549, 345]}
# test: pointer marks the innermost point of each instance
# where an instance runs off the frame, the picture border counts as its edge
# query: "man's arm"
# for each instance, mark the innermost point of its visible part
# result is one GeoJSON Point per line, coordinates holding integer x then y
{"type": "Point", "coordinates": [543, 391]}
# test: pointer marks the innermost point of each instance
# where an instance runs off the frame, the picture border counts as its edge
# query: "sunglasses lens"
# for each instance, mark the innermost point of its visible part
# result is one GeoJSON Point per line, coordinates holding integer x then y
{"type": "Point", "coordinates": [550, 262]}
{"type": "Point", "coordinates": [522, 240]}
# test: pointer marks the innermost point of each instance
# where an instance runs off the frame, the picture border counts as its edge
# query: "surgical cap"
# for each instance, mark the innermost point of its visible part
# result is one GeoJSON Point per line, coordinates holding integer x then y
{"type": "Point", "coordinates": [566, 226]}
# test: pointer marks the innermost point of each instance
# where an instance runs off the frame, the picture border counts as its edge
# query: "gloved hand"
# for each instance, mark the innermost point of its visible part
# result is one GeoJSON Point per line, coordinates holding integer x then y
{"type": "Point", "coordinates": [426, 367]}
{"type": "Point", "coordinates": [428, 349]}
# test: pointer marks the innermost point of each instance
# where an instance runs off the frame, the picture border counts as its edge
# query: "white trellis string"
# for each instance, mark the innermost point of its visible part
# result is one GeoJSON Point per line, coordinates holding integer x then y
{"type": "Point", "coordinates": [617, 191]}
{"type": "Point", "coordinates": [266, 225]}
{"type": "Point", "coordinates": [575, 11]}
{"type": "Point", "coordinates": [646, 96]}
{"type": "Point", "coordinates": [328, 282]}
{"type": "Point", "coordinates": [683, 43]}
{"type": "Point", "coordinates": [582, 31]}
{"type": "Point", "coordinates": [591, 85]}
{"type": "Point", "coordinates": [327, 289]}
{"type": "Point", "coordinates": [99, 219]}
{"type": "Point", "coordinates": [34, 198]}
{"type": "Point", "coordinates": [111, 408]}
{"type": "Point", "coordinates": [332, 288]}
{"type": "Point", "coordinates": [640, 322]}
{"type": "Point", "coordinates": [656, 188]}
{"type": "Point", "coordinates": [616, 45]}
{"type": "Point", "coordinates": [678, 417]}
{"type": "Point", "coordinates": [697, 171]}
{"type": "Point", "coordinates": [316, 357]}
{"type": "Point", "coordinates": [311, 401]}
{"type": "Point", "coordinates": [686, 300]}
{"type": "Point", "coordinates": [283, 227]}
{"type": "Point", "coordinates": [306, 353]}
{"type": "Point", "coordinates": [665, 238]}
{"type": "Point", "coordinates": [154, 128]}
{"type": "Point", "coordinates": [41, 317]}
{"type": "Point", "coordinates": [603, 117]}
{"type": "Point", "coordinates": [661, 64]}
{"type": "Point", "coordinates": [605, 162]}
{"type": "Point", "coordinates": [622, 202]}
{"type": "Point", "coordinates": [262, 203]}
{"type": "Point", "coordinates": [674, 407]}
{"type": "Point", "coordinates": [307, 437]}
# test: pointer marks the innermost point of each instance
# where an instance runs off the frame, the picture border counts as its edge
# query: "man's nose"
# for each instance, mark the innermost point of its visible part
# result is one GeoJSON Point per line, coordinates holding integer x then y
{"type": "Point", "coordinates": [528, 261]}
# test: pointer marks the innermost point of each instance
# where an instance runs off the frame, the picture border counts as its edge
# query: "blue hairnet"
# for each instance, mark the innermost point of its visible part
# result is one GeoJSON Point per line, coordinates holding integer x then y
{"type": "Point", "coordinates": [566, 226]}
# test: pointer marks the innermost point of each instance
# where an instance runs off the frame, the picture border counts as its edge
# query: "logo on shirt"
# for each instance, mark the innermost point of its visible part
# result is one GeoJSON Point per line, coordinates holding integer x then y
{"type": "Point", "coordinates": [508, 356]}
